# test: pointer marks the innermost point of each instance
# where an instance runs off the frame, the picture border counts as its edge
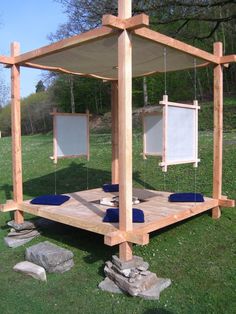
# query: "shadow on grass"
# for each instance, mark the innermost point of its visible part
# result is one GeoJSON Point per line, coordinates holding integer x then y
{"type": "Point", "coordinates": [76, 177]}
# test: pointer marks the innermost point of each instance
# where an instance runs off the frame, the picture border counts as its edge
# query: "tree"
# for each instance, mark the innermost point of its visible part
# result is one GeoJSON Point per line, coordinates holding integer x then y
{"type": "Point", "coordinates": [40, 87]}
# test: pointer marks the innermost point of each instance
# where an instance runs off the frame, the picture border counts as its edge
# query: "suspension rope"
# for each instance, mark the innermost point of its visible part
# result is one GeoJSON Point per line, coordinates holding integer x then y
{"type": "Point", "coordinates": [55, 178]}
{"type": "Point", "coordinates": [165, 67]}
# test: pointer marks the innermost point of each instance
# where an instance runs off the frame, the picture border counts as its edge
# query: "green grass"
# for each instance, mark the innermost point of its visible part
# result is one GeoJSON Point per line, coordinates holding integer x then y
{"type": "Point", "coordinates": [199, 255]}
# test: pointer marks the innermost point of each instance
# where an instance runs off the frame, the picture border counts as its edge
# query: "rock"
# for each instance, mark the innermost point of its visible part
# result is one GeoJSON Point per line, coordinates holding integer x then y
{"type": "Point", "coordinates": [50, 256]}
{"type": "Point", "coordinates": [24, 234]}
{"type": "Point", "coordinates": [134, 262]}
{"type": "Point", "coordinates": [32, 270]}
{"type": "Point", "coordinates": [143, 267]}
{"type": "Point", "coordinates": [131, 280]}
{"type": "Point", "coordinates": [133, 288]}
{"type": "Point", "coordinates": [108, 285]}
{"type": "Point", "coordinates": [126, 272]}
{"type": "Point", "coordinates": [108, 264]}
{"type": "Point", "coordinates": [26, 225]}
{"type": "Point", "coordinates": [14, 242]}
{"type": "Point", "coordinates": [154, 292]}
{"type": "Point", "coordinates": [145, 273]}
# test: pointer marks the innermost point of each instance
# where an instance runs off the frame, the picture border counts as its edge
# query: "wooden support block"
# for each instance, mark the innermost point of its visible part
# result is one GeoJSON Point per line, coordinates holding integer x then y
{"type": "Point", "coordinates": [9, 206]}
{"type": "Point", "coordinates": [226, 202]}
{"type": "Point", "coordinates": [118, 237]}
{"type": "Point", "coordinates": [132, 23]}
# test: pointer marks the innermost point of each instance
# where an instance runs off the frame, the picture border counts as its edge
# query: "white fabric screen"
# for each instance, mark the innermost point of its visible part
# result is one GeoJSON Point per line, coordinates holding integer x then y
{"type": "Point", "coordinates": [153, 133]}
{"type": "Point", "coordinates": [71, 136]}
{"type": "Point", "coordinates": [180, 139]}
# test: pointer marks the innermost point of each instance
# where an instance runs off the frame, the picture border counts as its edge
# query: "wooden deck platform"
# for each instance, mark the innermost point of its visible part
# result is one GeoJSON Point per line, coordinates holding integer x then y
{"type": "Point", "coordinates": [84, 211]}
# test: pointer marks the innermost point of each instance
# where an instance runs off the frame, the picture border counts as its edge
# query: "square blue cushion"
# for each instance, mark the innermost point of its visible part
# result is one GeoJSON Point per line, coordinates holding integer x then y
{"type": "Point", "coordinates": [50, 199]}
{"type": "Point", "coordinates": [186, 197]}
{"type": "Point", "coordinates": [112, 215]}
{"type": "Point", "coordinates": [110, 187]}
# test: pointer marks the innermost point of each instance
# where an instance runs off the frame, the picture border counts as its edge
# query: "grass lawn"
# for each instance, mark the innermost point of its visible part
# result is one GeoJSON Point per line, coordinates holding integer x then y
{"type": "Point", "coordinates": [199, 255]}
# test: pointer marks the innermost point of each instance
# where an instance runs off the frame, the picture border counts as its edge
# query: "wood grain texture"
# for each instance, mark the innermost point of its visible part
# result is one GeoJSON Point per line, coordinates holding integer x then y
{"type": "Point", "coordinates": [16, 134]}
{"type": "Point", "coordinates": [125, 128]}
{"type": "Point", "coordinates": [218, 130]}
{"type": "Point", "coordinates": [115, 132]}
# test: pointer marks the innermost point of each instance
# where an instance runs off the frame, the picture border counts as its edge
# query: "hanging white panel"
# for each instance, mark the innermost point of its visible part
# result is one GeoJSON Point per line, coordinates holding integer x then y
{"type": "Point", "coordinates": [180, 135]}
{"type": "Point", "coordinates": [153, 133]}
{"type": "Point", "coordinates": [71, 135]}
{"type": "Point", "coordinates": [181, 140]}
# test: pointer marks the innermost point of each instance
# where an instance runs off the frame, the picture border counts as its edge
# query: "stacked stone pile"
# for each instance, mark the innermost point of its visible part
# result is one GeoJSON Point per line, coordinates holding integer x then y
{"type": "Point", "coordinates": [20, 233]}
{"type": "Point", "coordinates": [132, 277]}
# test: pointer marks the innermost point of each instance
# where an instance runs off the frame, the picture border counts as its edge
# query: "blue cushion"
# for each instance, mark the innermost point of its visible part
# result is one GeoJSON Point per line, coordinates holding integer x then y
{"type": "Point", "coordinates": [186, 197]}
{"type": "Point", "coordinates": [50, 199]}
{"type": "Point", "coordinates": [110, 187]}
{"type": "Point", "coordinates": [112, 215]}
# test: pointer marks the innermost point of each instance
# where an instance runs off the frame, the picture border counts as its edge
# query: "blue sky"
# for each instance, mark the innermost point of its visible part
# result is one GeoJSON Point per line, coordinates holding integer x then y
{"type": "Point", "coordinates": [27, 22]}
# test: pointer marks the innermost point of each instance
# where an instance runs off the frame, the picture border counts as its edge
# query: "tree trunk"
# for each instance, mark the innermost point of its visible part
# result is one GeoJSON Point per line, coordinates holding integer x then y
{"type": "Point", "coordinates": [72, 97]}
{"type": "Point", "coordinates": [145, 91]}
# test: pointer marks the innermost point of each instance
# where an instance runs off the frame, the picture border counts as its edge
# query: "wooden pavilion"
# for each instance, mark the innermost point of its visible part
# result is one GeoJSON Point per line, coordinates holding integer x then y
{"type": "Point", "coordinates": [122, 48]}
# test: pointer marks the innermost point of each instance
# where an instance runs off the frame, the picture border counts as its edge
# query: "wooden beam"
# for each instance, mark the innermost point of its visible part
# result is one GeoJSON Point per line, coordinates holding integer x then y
{"type": "Point", "coordinates": [115, 132]}
{"type": "Point", "coordinates": [7, 60]}
{"type": "Point", "coordinates": [16, 134]}
{"type": "Point", "coordinates": [132, 23]}
{"type": "Point", "coordinates": [117, 237]}
{"type": "Point", "coordinates": [176, 44]}
{"type": "Point", "coordinates": [65, 44]}
{"type": "Point", "coordinates": [226, 203]}
{"type": "Point", "coordinates": [9, 206]}
{"type": "Point", "coordinates": [228, 59]}
{"type": "Point", "coordinates": [125, 129]}
{"type": "Point", "coordinates": [218, 130]}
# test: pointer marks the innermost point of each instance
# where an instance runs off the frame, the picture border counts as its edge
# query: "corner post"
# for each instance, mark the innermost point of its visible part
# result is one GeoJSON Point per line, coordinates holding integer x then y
{"type": "Point", "coordinates": [125, 129]}
{"type": "Point", "coordinates": [16, 134]}
{"type": "Point", "coordinates": [218, 129]}
{"type": "Point", "coordinates": [114, 116]}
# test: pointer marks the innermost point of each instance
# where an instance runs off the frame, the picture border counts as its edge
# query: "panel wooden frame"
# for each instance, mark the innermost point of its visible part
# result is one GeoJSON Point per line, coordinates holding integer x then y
{"type": "Point", "coordinates": [115, 132]}
{"type": "Point", "coordinates": [55, 135]}
{"type": "Point", "coordinates": [166, 103]}
{"type": "Point", "coordinates": [7, 60]}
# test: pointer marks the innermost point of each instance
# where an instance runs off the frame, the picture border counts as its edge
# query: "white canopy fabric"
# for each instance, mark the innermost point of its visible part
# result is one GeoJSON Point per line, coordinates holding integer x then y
{"type": "Point", "coordinates": [99, 58]}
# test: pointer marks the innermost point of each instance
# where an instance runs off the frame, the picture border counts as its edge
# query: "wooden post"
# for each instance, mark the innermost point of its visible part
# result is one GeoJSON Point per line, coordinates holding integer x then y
{"type": "Point", "coordinates": [125, 129]}
{"type": "Point", "coordinates": [16, 134]}
{"type": "Point", "coordinates": [218, 129]}
{"type": "Point", "coordinates": [114, 116]}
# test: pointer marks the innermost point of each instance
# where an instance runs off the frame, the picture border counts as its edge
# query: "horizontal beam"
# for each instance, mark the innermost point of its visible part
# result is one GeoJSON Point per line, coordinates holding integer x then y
{"type": "Point", "coordinates": [9, 206]}
{"type": "Point", "coordinates": [226, 203]}
{"type": "Point", "coordinates": [228, 59]}
{"type": "Point", "coordinates": [65, 44]}
{"type": "Point", "coordinates": [176, 44]}
{"type": "Point", "coordinates": [117, 237]}
{"type": "Point", "coordinates": [7, 60]}
{"type": "Point", "coordinates": [135, 22]}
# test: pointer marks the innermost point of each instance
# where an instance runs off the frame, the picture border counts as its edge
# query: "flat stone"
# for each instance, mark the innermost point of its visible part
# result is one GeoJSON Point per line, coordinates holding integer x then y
{"type": "Point", "coordinates": [32, 270]}
{"type": "Point", "coordinates": [15, 242]}
{"type": "Point", "coordinates": [50, 256]}
{"type": "Point", "coordinates": [24, 234]}
{"type": "Point", "coordinates": [154, 292]}
{"type": "Point", "coordinates": [136, 261]}
{"type": "Point", "coordinates": [108, 285]}
{"type": "Point", "coordinates": [145, 273]}
{"type": "Point", "coordinates": [26, 225]}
